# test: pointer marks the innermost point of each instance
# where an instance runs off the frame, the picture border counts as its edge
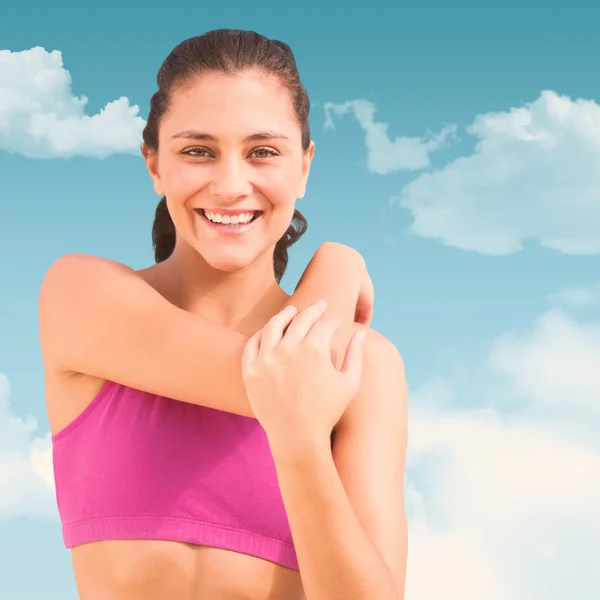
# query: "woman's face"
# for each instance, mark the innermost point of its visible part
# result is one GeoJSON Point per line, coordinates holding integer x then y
{"type": "Point", "coordinates": [209, 167]}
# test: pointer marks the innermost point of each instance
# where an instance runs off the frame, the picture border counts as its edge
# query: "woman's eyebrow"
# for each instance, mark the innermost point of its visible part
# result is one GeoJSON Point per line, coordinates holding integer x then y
{"type": "Point", "coordinates": [193, 134]}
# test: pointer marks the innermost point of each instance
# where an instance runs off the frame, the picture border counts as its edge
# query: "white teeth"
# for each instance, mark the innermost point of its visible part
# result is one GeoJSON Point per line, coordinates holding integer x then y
{"type": "Point", "coordinates": [230, 220]}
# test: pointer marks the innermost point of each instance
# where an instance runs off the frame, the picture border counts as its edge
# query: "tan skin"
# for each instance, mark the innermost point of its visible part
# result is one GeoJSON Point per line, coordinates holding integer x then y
{"type": "Point", "coordinates": [100, 320]}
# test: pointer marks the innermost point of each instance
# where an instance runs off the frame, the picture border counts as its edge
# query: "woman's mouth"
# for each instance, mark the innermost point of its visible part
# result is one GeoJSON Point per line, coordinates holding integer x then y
{"type": "Point", "coordinates": [230, 224]}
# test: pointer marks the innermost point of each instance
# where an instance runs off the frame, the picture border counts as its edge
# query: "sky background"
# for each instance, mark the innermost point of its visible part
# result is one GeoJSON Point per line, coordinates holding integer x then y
{"type": "Point", "coordinates": [458, 149]}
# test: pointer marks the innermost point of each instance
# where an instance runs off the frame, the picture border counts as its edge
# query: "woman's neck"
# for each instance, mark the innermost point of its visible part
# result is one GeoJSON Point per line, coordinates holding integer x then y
{"type": "Point", "coordinates": [242, 300]}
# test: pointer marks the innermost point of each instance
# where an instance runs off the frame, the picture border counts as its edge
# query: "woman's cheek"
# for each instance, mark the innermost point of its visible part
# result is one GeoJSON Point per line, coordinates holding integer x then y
{"type": "Point", "coordinates": [185, 179]}
{"type": "Point", "coordinates": [278, 185]}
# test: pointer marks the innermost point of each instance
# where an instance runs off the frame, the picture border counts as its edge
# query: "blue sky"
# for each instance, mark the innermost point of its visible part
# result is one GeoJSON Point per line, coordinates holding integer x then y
{"type": "Point", "coordinates": [458, 148]}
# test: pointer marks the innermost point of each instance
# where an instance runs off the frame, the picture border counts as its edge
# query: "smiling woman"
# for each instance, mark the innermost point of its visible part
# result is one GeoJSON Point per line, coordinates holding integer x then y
{"type": "Point", "coordinates": [259, 140]}
{"type": "Point", "coordinates": [214, 437]}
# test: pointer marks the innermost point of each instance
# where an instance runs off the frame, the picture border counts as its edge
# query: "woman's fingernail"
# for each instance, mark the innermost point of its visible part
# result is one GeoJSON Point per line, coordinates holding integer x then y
{"type": "Point", "coordinates": [321, 303]}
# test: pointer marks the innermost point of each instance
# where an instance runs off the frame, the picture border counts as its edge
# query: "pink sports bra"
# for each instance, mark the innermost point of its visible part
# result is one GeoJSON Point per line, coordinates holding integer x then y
{"type": "Point", "coordinates": [134, 465]}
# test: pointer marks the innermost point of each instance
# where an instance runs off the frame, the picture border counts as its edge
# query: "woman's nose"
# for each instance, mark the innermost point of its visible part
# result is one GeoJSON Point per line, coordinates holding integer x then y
{"type": "Point", "coordinates": [230, 180]}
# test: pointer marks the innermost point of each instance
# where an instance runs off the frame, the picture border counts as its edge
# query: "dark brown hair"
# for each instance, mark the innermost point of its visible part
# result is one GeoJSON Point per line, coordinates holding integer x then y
{"type": "Point", "coordinates": [226, 51]}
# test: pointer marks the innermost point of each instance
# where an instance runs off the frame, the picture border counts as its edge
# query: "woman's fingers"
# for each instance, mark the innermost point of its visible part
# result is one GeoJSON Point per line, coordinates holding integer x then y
{"type": "Point", "coordinates": [272, 332]}
{"type": "Point", "coordinates": [302, 324]}
{"type": "Point", "coordinates": [321, 334]}
{"type": "Point", "coordinates": [250, 351]}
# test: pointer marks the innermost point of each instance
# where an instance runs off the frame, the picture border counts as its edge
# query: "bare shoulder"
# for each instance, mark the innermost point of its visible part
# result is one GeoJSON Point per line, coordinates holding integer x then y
{"type": "Point", "coordinates": [67, 393]}
{"type": "Point", "coordinates": [380, 355]}
{"type": "Point", "coordinates": [64, 276]}
{"type": "Point", "coordinates": [77, 268]}
{"type": "Point", "coordinates": [72, 275]}
{"type": "Point", "coordinates": [384, 375]}
{"type": "Point", "coordinates": [60, 291]}
{"type": "Point", "coordinates": [383, 395]}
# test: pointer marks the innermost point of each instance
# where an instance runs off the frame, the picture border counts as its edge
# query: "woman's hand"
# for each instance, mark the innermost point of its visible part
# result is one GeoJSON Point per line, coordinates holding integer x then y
{"type": "Point", "coordinates": [295, 391]}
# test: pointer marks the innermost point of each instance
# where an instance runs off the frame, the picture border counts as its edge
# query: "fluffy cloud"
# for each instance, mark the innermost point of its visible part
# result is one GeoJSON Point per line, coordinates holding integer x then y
{"type": "Point", "coordinates": [534, 174]}
{"type": "Point", "coordinates": [385, 155]}
{"type": "Point", "coordinates": [556, 365]}
{"type": "Point", "coordinates": [41, 118]}
{"type": "Point", "coordinates": [504, 500]}
{"type": "Point", "coordinates": [26, 474]}
{"type": "Point", "coordinates": [577, 297]}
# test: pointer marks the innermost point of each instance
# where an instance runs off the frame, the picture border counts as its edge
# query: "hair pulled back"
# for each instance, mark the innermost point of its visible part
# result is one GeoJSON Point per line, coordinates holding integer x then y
{"type": "Point", "coordinates": [227, 51]}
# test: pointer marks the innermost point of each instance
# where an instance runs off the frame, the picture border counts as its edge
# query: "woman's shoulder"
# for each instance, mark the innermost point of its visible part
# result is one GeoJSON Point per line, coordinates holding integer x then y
{"type": "Point", "coordinates": [379, 351]}
{"type": "Point", "coordinates": [383, 373]}
{"type": "Point", "coordinates": [381, 405]}
{"type": "Point", "coordinates": [77, 288]}
{"type": "Point", "coordinates": [71, 268]}
{"type": "Point", "coordinates": [79, 260]}
{"type": "Point", "coordinates": [79, 268]}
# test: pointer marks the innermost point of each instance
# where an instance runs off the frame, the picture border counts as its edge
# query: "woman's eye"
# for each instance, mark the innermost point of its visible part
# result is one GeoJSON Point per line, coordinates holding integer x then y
{"type": "Point", "coordinates": [268, 152]}
{"type": "Point", "coordinates": [260, 153]}
{"type": "Point", "coordinates": [194, 151]}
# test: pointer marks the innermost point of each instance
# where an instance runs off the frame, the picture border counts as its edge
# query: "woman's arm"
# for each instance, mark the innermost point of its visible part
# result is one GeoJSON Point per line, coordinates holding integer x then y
{"type": "Point", "coordinates": [346, 511]}
{"type": "Point", "coordinates": [338, 274]}
{"type": "Point", "coordinates": [100, 318]}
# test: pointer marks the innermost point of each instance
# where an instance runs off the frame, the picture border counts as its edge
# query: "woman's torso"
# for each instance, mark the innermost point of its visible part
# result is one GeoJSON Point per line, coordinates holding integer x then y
{"type": "Point", "coordinates": [153, 569]}
{"type": "Point", "coordinates": [148, 569]}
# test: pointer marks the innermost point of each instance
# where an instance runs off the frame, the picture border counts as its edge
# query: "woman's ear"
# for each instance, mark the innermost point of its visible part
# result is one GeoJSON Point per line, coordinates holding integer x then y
{"type": "Point", "coordinates": [151, 159]}
{"type": "Point", "coordinates": [306, 162]}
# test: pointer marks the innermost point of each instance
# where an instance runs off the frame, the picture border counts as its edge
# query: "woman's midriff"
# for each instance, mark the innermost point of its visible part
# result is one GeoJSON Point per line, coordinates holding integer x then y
{"type": "Point", "coordinates": [163, 570]}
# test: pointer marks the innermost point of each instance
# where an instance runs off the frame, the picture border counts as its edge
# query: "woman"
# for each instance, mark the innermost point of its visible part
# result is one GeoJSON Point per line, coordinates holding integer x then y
{"type": "Point", "coordinates": [192, 403]}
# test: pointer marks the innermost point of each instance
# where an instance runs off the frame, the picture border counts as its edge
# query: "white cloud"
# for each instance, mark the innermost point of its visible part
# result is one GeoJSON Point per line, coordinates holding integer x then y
{"type": "Point", "coordinates": [385, 155]}
{"type": "Point", "coordinates": [557, 365]}
{"type": "Point", "coordinates": [450, 565]}
{"type": "Point", "coordinates": [506, 504]}
{"type": "Point", "coordinates": [40, 117]}
{"type": "Point", "coordinates": [534, 174]}
{"type": "Point", "coordinates": [26, 473]}
{"type": "Point", "coordinates": [577, 297]}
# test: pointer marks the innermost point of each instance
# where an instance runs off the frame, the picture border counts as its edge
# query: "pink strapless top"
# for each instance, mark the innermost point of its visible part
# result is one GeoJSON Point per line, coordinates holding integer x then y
{"type": "Point", "coordinates": [134, 465]}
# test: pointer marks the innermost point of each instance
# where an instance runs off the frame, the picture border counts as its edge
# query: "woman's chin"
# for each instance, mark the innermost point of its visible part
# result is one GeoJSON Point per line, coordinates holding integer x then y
{"type": "Point", "coordinates": [228, 263]}
{"type": "Point", "coordinates": [231, 259]}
